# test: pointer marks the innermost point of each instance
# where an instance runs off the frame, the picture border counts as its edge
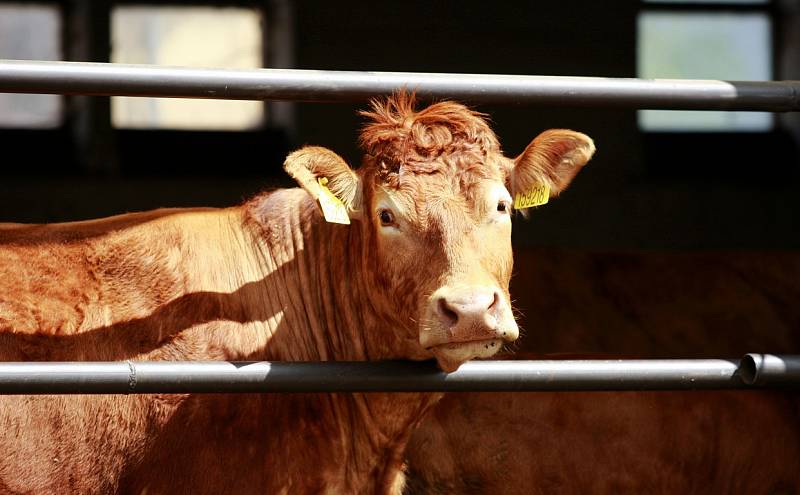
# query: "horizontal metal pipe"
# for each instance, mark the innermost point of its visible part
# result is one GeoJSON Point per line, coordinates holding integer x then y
{"type": "Point", "coordinates": [768, 369]}
{"type": "Point", "coordinates": [82, 78]}
{"type": "Point", "coordinates": [392, 376]}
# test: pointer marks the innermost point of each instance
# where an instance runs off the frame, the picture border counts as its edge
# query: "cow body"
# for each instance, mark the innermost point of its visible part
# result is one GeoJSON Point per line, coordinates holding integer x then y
{"type": "Point", "coordinates": [690, 304]}
{"type": "Point", "coordinates": [188, 285]}
{"type": "Point", "coordinates": [421, 273]}
{"type": "Point", "coordinates": [608, 442]}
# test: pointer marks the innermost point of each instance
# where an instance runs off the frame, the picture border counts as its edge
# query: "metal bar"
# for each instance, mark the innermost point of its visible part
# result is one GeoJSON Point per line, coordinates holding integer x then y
{"type": "Point", "coordinates": [80, 78]}
{"type": "Point", "coordinates": [395, 376]}
{"type": "Point", "coordinates": [768, 369]}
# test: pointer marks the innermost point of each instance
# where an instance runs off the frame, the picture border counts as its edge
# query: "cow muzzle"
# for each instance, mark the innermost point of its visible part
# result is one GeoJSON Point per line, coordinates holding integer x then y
{"type": "Point", "coordinates": [466, 323]}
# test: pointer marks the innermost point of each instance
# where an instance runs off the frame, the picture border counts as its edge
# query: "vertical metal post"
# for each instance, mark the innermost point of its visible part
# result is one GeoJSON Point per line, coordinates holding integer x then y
{"type": "Point", "coordinates": [88, 35]}
{"type": "Point", "coordinates": [279, 54]}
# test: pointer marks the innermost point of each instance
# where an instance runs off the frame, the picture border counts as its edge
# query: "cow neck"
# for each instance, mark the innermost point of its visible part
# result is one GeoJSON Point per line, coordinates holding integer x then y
{"type": "Point", "coordinates": [317, 278]}
{"type": "Point", "coordinates": [316, 286]}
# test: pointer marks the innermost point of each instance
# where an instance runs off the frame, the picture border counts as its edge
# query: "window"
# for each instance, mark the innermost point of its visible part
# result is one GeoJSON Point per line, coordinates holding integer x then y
{"type": "Point", "coordinates": [30, 32]}
{"type": "Point", "coordinates": [711, 39]}
{"type": "Point", "coordinates": [140, 137]}
{"type": "Point", "coordinates": [188, 36]}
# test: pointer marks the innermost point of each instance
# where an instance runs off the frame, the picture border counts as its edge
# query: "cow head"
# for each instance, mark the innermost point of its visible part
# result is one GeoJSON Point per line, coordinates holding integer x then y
{"type": "Point", "coordinates": [434, 202]}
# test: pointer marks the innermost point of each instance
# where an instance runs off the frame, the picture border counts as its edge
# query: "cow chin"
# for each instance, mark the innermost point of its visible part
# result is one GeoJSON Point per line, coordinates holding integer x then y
{"type": "Point", "coordinates": [451, 356]}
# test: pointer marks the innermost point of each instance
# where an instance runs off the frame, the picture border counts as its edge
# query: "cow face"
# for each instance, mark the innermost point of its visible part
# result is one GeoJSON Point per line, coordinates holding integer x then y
{"type": "Point", "coordinates": [434, 202]}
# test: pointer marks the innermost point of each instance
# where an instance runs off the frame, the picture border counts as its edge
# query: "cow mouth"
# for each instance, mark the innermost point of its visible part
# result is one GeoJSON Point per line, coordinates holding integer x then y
{"type": "Point", "coordinates": [451, 355]}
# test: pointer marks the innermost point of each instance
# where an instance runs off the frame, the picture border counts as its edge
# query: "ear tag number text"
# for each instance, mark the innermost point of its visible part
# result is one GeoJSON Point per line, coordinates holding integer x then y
{"type": "Point", "coordinates": [537, 196]}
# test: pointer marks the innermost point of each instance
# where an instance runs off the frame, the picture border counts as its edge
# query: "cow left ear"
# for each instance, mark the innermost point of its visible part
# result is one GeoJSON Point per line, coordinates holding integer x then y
{"type": "Point", "coordinates": [316, 168]}
{"type": "Point", "coordinates": [552, 159]}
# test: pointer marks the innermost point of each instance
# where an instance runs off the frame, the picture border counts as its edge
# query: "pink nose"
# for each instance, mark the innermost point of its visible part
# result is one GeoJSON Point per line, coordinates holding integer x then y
{"type": "Point", "coordinates": [471, 314]}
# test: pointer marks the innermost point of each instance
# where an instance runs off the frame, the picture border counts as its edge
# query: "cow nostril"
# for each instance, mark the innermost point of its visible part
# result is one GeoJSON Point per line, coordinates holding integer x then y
{"type": "Point", "coordinates": [449, 316]}
{"type": "Point", "coordinates": [495, 301]}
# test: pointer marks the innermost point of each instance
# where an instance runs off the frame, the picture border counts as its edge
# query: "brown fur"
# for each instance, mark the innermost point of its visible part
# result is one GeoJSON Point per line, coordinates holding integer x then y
{"type": "Point", "coordinates": [443, 137]}
{"type": "Point", "coordinates": [269, 280]}
{"type": "Point", "coordinates": [607, 443]}
{"type": "Point", "coordinates": [658, 304]}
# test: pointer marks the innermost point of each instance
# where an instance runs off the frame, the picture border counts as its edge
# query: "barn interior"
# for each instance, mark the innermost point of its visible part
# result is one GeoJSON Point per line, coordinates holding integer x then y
{"type": "Point", "coordinates": [679, 239]}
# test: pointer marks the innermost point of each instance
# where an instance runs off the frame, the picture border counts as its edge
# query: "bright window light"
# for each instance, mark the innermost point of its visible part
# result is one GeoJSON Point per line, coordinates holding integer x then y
{"type": "Point", "coordinates": [30, 32]}
{"type": "Point", "coordinates": [227, 38]}
{"type": "Point", "coordinates": [691, 45]}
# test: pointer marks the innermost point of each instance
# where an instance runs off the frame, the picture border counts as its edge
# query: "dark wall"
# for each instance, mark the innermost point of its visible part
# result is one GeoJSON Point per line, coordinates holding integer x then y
{"type": "Point", "coordinates": [673, 191]}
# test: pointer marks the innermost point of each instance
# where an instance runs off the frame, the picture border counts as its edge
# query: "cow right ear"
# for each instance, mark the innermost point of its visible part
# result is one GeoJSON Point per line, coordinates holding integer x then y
{"type": "Point", "coordinates": [547, 166]}
{"type": "Point", "coordinates": [320, 172]}
{"type": "Point", "coordinates": [552, 159]}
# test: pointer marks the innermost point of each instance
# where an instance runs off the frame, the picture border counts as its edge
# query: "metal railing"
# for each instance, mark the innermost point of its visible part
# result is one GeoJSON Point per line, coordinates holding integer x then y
{"type": "Point", "coordinates": [128, 377]}
{"type": "Point", "coordinates": [81, 78]}
{"type": "Point", "coordinates": [75, 78]}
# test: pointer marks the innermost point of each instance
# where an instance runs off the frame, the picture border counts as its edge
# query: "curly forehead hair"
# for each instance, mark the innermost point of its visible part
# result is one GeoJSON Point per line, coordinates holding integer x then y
{"type": "Point", "coordinates": [398, 139]}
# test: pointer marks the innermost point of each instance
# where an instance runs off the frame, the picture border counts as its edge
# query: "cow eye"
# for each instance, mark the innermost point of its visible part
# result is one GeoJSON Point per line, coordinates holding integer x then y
{"type": "Point", "coordinates": [387, 217]}
{"type": "Point", "coordinates": [502, 206]}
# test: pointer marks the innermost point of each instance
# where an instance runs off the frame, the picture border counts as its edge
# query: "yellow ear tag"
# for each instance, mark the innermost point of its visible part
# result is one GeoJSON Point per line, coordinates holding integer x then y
{"type": "Point", "coordinates": [537, 196]}
{"type": "Point", "coordinates": [332, 207]}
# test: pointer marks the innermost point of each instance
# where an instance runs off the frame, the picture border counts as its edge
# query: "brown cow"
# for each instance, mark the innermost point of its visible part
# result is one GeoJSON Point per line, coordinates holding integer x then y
{"type": "Point", "coordinates": [422, 272]}
{"type": "Point", "coordinates": [669, 304]}
{"type": "Point", "coordinates": [607, 443]}
{"type": "Point", "coordinates": [658, 304]}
